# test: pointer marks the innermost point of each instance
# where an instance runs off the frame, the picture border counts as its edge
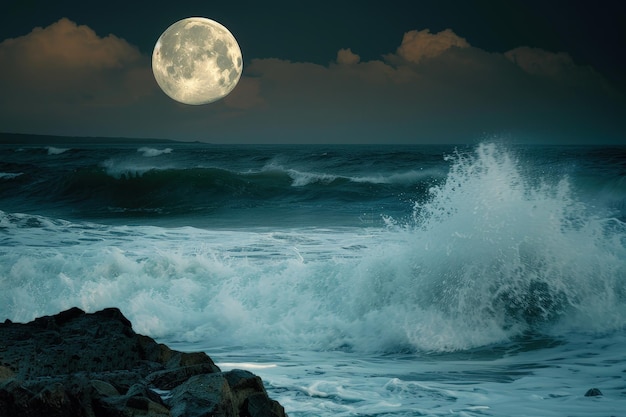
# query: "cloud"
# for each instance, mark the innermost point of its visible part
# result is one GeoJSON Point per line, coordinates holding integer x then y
{"type": "Point", "coordinates": [560, 70]}
{"type": "Point", "coordinates": [436, 87]}
{"type": "Point", "coordinates": [347, 57]}
{"type": "Point", "coordinates": [72, 62]}
{"type": "Point", "coordinates": [246, 95]}
{"type": "Point", "coordinates": [67, 45]}
{"type": "Point", "coordinates": [419, 45]}
{"type": "Point", "coordinates": [66, 79]}
{"type": "Point", "coordinates": [540, 62]}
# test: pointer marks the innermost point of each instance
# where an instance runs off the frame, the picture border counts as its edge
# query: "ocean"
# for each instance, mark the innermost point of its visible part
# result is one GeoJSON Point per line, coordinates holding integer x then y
{"type": "Point", "coordinates": [473, 280]}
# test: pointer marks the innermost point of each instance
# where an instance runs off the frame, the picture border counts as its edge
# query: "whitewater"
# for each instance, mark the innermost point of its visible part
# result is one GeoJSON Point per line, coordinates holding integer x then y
{"type": "Point", "coordinates": [485, 280]}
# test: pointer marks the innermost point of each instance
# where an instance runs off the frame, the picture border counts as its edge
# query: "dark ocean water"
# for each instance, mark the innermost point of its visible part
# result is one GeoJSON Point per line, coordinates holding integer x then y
{"type": "Point", "coordinates": [356, 280]}
{"type": "Point", "coordinates": [223, 186]}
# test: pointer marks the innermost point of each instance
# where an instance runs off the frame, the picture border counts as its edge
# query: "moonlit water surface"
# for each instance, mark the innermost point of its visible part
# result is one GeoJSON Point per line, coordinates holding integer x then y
{"type": "Point", "coordinates": [353, 280]}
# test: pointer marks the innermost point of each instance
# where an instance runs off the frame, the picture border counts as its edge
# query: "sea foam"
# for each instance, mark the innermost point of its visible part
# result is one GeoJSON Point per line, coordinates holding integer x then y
{"type": "Point", "coordinates": [498, 253]}
{"type": "Point", "coordinates": [152, 152]}
{"type": "Point", "coordinates": [56, 151]}
{"type": "Point", "coordinates": [492, 254]}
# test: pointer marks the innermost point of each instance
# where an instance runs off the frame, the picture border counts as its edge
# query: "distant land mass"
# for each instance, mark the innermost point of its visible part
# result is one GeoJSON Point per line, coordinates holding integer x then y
{"type": "Point", "coordinates": [28, 139]}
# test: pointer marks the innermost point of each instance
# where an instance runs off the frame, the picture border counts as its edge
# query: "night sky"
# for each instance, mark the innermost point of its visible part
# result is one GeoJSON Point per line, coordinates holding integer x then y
{"type": "Point", "coordinates": [326, 71]}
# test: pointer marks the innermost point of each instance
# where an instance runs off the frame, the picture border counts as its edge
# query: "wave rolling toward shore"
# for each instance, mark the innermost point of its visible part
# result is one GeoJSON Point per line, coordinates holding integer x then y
{"type": "Point", "coordinates": [370, 252]}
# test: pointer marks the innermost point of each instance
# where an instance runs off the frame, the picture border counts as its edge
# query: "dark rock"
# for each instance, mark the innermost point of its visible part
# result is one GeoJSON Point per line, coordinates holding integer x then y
{"type": "Point", "coordinates": [260, 405]}
{"type": "Point", "coordinates": [113, 313]}
{"type": "Point", "coordinates": [243, 384]}
{"type": "Point", "coordinates": [104, 389]}
{"type": "Point", "coordinates": [172, 377]}
{"type": "Point", "coordinates": [593, 392]}
{"type": "Point", "coordinates": [14, 398]}
{"type": "Point", "coordinates": [53, 400]}
{"type": "Point", "coordinates": [202, 396]}
{"type": "Point", "coordinates": [6, 373]}
{"type": "Point", "coordinates": [233, 393]}
{"type": "Point", "coordinates": [75, 364]}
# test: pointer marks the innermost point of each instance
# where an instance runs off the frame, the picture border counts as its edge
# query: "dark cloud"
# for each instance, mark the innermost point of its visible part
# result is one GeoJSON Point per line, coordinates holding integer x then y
{"type": "Point", "coordinates": [419, 45]}
{"type": "Point", "coordinates": [64, 55]}
{"type": "Point", "coordinates": [54, 76]}
{"type": "Point", "coordinates": [66, 79]}
{"type": "Point", "coordinates": [347, 57]}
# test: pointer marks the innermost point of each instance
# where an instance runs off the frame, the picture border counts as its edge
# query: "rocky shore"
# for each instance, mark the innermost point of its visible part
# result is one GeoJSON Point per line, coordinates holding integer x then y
{"type": "Point", "coordinates": [75, 364]}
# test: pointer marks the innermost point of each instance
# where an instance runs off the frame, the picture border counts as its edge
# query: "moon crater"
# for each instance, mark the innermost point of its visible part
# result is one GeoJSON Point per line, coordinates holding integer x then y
{"type": "Point", "coordinates": [197, 61]}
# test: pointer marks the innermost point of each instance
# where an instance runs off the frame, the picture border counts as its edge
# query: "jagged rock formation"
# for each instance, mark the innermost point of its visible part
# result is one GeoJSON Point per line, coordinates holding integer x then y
{"type": "Point", "coordinates": [75, 364]}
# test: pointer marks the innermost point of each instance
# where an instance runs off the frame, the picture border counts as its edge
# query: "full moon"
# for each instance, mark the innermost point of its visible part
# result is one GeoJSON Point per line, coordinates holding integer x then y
{"type": "Point", "coordinates": [197, 61]}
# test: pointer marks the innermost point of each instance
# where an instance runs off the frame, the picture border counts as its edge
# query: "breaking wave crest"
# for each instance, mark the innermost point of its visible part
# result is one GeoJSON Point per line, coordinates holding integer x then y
{"type": "Point", "coordinates": [151, 152]}
{"type": "Point", "coordinates": [491, 253]}
{"type": "Point", "coordinates": [498, 253]}
{"type": "Point", "coordinates": [56, 151]}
